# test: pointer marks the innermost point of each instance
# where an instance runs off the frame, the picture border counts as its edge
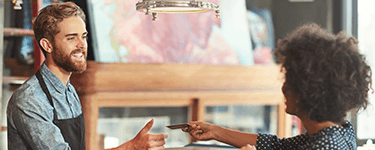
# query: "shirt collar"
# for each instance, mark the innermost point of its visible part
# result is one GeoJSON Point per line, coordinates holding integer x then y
{"type": "Point", "coordinates": [52, 79]}
{"type": "Point", "coordinates": [347, 129]}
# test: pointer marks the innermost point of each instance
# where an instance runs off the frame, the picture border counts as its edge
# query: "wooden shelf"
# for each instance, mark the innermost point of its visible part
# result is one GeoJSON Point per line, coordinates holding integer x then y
{"type": "Point", "coordinates": [18, 32]}
{"type": "Point", "coordinates": [19, 72]}
{"type": "Point", "coordinates": [14, 79]}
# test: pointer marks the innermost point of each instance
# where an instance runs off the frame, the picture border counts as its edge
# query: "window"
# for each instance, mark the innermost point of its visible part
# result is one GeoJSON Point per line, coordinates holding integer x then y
{"type": "Point", "coordinates": [120, 124]}
{"type": "Point", "coordinates": [366, 32]}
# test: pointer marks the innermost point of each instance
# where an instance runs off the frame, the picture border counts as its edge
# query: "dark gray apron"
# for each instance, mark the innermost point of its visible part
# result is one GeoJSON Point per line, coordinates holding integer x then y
{"type": "Point", "coordinates": [73, 130]}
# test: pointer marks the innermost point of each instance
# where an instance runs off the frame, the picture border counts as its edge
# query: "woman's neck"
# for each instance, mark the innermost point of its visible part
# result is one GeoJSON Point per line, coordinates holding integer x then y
{"type": "Point", "coordinates": [313, 126]}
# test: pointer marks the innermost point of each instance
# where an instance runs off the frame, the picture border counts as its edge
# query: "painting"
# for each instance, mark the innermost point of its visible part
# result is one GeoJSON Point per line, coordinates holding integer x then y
{"type": "Point", "coordinates": [123, 34]}
{"type": "Point", "coordinates": [262, 35]}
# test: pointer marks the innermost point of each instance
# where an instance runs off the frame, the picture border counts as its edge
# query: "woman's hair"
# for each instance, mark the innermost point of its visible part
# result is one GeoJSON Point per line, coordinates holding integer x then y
{"type": "Point", "coordinates": [45, 24]}
{"type": "Point", "coordinates": [325, 71]}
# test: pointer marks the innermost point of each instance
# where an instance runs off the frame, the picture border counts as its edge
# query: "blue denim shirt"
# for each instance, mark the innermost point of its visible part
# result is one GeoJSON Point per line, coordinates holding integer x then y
{"type": "Point", "coordinates": [30, 114]}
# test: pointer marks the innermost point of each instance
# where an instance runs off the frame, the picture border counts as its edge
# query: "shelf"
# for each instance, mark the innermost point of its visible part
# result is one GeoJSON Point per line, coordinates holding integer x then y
{"type": "Point", "coordinates": [19, 72]}
{"type": "Point", "coordinates": [18, 32]}
{"type": "Point", "coordinates": [14, 79]}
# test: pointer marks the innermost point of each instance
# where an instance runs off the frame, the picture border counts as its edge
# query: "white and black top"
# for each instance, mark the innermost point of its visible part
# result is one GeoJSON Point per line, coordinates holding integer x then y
{"type": "Point", "coordinates": [331, 138]}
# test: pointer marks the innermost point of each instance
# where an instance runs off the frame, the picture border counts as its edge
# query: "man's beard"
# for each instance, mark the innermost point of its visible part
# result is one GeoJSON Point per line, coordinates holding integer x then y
{"type": "Point", "coordinates": [67, 63]}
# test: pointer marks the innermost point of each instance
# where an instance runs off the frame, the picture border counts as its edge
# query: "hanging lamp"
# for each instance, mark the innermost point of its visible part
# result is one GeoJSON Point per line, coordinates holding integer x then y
{"type": "Point", "coordinates": [176, 6]}
{"type": "Point", "coordinates": [17, 4]}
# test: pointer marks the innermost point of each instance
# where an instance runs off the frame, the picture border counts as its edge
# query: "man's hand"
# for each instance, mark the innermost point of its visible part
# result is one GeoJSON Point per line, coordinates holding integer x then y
{"type": "Point", "coordinates": [145, 141]}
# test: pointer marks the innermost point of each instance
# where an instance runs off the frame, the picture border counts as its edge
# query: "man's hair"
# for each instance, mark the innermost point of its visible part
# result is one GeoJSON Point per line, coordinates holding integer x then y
{"type": "Point", "coordinates": [45, 24]}
{"type": "Point", "coordinates": [325, 71]}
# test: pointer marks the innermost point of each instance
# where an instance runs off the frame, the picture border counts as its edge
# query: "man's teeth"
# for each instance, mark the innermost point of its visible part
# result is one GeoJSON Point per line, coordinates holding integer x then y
{"type": "Point", "coordinates": [77, 55]}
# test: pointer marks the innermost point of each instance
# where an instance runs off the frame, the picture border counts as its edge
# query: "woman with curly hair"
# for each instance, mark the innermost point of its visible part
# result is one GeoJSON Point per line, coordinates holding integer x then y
{"type": "Point", "coordinates": [325, 77]}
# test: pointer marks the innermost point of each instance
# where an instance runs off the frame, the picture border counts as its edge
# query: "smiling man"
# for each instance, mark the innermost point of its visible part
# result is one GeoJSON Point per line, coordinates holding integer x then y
{"type": "Point", "coordinates": [45, 111]}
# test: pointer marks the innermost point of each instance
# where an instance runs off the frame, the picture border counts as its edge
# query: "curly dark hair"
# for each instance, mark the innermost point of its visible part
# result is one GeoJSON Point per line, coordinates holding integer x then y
{"type": "Point", "coordinates": [45, 24]}
{"type": "Point", "coordinates": [326, 71]}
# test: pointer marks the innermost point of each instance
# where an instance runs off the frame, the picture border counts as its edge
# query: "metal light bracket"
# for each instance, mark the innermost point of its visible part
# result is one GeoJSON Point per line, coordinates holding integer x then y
{"type": "Point", "coordinates": [175, 6]}
{"type": "Point", "coordinates": [17, 4]}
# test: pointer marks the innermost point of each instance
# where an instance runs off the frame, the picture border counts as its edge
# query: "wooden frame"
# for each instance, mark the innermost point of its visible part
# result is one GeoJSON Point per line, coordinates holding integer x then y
{"type": "Point", "coordinates": [170, 85]}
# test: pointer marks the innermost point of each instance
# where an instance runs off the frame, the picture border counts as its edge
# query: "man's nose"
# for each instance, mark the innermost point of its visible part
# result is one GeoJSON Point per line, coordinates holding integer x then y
{"type": "Point", "coordinates": [82, 43]}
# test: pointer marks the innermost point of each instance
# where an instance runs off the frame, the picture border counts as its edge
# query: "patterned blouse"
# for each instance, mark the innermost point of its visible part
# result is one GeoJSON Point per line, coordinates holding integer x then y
{"type": "Point", "coordinates": [331, 138]}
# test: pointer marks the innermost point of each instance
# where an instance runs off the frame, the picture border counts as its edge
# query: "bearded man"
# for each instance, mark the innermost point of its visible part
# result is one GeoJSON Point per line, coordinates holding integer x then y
{"type": "Point", "coordinates": [45, 111]}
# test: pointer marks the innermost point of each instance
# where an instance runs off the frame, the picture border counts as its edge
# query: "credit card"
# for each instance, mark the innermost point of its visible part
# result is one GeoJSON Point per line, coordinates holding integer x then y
{"type": "Point", "coordinates": [178, 126]}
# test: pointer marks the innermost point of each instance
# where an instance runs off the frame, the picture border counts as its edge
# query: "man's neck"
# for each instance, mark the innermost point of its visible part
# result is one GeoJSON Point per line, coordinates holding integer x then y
{"type": "Point", "coordinates": [59, 72]}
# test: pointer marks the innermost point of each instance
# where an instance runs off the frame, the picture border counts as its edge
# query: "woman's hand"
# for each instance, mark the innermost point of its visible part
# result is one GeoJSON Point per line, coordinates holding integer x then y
{"type": "Point", "coordinates": [248, 147]}
{"type": "Point", "coordinates": [200, 130]}
{"type": "Point", "coordinates": [203, 131]}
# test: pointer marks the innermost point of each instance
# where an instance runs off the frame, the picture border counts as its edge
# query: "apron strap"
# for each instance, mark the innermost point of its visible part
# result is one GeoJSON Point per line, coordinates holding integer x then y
{"type": "Point", "coordinates": [46, 91]}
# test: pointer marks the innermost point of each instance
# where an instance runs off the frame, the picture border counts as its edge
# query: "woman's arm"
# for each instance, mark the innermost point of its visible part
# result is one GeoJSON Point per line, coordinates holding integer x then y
{"type": "Point", "coordinates": [206, 131]}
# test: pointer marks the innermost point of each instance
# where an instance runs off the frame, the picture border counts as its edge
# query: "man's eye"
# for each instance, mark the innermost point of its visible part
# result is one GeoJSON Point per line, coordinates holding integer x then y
{"type": "Point", "coordinates": [71, 38]}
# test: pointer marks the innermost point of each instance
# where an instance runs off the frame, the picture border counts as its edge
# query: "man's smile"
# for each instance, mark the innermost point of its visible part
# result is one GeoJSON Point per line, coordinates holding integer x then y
{"type": "Point", "coordinates": [78, 55]}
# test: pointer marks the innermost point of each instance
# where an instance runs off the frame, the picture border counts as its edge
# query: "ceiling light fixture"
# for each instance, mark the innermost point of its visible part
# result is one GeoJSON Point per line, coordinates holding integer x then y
{"type": "Point", "coordinates": [176, 6]}
{"type": "Point", "coordinates": [17, 4]}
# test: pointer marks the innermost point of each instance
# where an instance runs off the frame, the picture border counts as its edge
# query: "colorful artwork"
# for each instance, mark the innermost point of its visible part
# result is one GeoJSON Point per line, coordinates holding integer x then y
{"type": "Point", "coordinates": [262, 35]}
{"type": "Point", "coordinates": [122, 34]}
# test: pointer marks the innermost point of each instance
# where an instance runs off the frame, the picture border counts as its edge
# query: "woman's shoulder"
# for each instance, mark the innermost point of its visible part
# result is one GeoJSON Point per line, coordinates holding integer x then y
{"type": "Point", "coordinates": [334, 137]}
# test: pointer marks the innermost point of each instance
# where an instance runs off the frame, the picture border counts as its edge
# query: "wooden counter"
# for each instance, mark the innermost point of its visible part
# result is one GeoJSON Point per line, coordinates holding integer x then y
{"type": "Point", "coordinates": [194, 86]}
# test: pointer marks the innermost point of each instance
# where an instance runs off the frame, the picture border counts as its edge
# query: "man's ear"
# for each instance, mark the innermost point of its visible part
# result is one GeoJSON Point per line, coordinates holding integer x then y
{"type": "Point", "coordinates": [46, 44]}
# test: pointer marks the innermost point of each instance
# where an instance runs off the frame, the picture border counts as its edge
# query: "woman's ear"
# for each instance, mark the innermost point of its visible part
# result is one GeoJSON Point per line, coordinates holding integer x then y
{"type": "Point", "coordinates": [46, 45]}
